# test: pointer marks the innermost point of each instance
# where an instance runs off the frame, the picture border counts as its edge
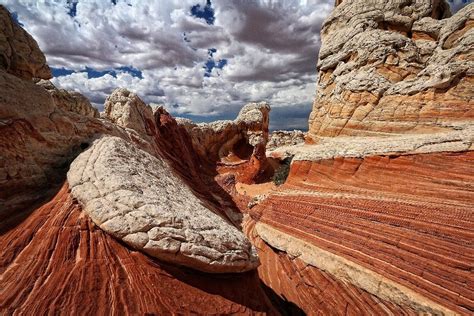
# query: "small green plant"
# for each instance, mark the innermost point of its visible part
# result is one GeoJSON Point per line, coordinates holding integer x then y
{"type": "Point", "coordinates": [282, 172]}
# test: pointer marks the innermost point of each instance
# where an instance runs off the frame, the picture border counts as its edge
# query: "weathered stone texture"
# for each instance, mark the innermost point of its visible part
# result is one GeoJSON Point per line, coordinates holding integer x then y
{"type": "Point", "coordinates": [137, 198]}
{"type": "Point", "coordinates": [19, 52]}
{"type": "Point", "coordinates": [394, 67]}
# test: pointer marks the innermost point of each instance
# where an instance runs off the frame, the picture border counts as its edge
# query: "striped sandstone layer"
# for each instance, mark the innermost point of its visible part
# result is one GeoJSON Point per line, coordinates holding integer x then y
{"type": "Point", "coordinates": [315, 291]}
{"type": "Point", "coordinates": [59, 261]}
{"type": "Point", "coordinates": [404, 219]}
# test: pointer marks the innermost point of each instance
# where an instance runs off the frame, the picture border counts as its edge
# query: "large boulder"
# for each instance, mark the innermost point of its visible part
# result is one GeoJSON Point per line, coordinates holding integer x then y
{"type": "Point", "coordinates": [136, 197]}
{"type": "Point", "coordinates": [393, 67]}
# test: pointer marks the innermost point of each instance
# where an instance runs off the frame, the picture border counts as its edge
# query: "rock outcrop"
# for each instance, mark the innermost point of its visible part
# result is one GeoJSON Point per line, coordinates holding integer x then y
{"type": "Point", "coordinates": [285, 138]}
{"type": "Point", "coordinates": [236, 146]}
{"type": "Point", "coordinates": [38, 140]}
{"type": "Point", "coordinates": [20, 54]}
{"type": "Point", "coordinates": [394, 67]}
{"type": "Point", "coordinates": [70, 101]}
{"type": "Point", "coordinates": [127, 110]}
{"type": "Point", "coordinates": [136, 197]}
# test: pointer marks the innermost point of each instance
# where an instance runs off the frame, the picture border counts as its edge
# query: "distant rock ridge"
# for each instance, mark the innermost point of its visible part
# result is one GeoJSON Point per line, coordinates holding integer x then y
{"type": "Point", "coordinates": [393, 67]}
{"type": "Point", "coordinates": [236, 146]}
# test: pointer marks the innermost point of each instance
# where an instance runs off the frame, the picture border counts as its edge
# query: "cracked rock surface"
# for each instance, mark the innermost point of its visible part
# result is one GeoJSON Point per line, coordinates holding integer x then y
{"type": "Point", "coordinates": [19, 52]}
{"type": "Point", "coordinates": [135, 197]}
{"type": "Point", "coordinates": [393, 67]}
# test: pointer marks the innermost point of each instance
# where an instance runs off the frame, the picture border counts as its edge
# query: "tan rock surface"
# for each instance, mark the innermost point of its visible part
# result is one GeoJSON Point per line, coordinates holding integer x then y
{"type": "Point", "coordinates": [136, 197]}
{"type": "Point", "coordinates": [70, 101]}
{"type": "Point", "coordinates": [391, 68]}
{"type": "Point", "coordinates": [285, 138]}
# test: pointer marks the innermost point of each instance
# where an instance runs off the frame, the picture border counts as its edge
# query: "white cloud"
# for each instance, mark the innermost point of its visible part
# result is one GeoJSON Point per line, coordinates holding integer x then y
{"type": "Point", "coordinates": [270, 48]}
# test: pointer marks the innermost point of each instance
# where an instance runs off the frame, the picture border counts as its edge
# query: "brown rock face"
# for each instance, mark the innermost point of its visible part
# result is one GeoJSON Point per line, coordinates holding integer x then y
{"type": "Point", "coordinates": [38, 139]}
{"type": "Point", "coordinates": [388, 68]}
{"type": "Point", "coordinates": [70, 101]}
{"type": "Point", "coordinates": [20, 54]}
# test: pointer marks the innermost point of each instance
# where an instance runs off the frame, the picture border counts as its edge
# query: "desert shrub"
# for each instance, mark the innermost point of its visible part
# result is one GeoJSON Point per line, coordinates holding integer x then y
{"type": "Point", "coordinates": [282, 172]}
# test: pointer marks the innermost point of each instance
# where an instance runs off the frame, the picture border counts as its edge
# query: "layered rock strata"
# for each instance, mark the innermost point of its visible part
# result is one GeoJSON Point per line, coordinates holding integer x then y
{"type": "Point", "coordinates": [315, 291]}
{"type": "Point", "coordinates": [57, 261]}
{"type": "Point", "coordinates": [406, 239]}
{"type": "Point", "coordinates": [392, 67]}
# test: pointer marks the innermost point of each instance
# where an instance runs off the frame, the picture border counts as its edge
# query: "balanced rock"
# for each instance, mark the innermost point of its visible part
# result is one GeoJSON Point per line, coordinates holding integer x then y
{"type": "Point", "coordinates": [387, 67]}
{"type": "Point", "coordinates": [136, 197]}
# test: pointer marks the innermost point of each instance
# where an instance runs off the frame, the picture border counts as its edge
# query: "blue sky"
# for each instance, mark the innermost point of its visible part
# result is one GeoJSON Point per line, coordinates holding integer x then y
{"type": "Point", "coordinates": [202, 59]}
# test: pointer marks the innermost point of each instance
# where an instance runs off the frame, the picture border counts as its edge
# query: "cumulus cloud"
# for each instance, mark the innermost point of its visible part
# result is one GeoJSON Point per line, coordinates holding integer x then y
{"type": "Point", "coordinates": [200, 58]}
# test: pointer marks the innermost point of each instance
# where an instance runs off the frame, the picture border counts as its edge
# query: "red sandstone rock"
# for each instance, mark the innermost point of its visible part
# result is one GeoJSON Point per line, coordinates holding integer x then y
{"type": "Point", "coordinates": [58, 262]}
{"type": "Point", "coordinates": [314, 291]}
{"type": "Point", "coordinates": [407, 218]}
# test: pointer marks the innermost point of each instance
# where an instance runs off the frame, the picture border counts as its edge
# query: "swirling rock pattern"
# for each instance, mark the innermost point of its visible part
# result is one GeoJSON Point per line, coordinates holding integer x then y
{"type": "Point", "coordinates": [136, 197]}
{"type": "Point", "coordinates": [58, 262]}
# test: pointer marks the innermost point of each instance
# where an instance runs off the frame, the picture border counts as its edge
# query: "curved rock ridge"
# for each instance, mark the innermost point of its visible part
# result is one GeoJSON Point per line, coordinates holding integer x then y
{"type": "Point", "coordinates": [136, 197]}
{"type": "Point", "coordinates": [315, 291]}
{"type": "Point", "coordinates": [20, 54]}
{"type": "Point", "coordinates": [393, 67]}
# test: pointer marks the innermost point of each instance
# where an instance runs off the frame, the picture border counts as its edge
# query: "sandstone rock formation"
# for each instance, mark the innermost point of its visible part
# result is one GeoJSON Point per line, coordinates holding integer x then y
{"type": "Point", "coordinates": [70, 101]}
{"type": "Point", "coordinates": [58, 261]}
{"type": "Point", "coordinates": [285, 138]}
{"type": "Point", "coordinates": [393, 67]}
{"type": "Point", "coordinates": [387, 205]}
{"type": "Point", "coordinates": [376, 221]}
{"type": "Point", "coordinates": [38, 139]}
{"type": "Point", "coordinates": [20, 54]}
{"type": "Point", "coordinates": [136, 198]}
{"type": "Point", "coordinates": [237, 146]}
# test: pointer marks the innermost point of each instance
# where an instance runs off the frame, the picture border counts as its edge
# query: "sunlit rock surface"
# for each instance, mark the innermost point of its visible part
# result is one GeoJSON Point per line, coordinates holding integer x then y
{"type": "Point", "coordinates": [136, 197]}
{"type": "Point", "coordinates": [392, 67]}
